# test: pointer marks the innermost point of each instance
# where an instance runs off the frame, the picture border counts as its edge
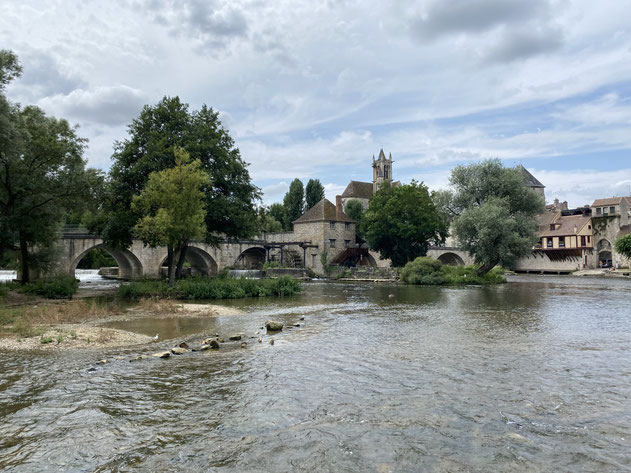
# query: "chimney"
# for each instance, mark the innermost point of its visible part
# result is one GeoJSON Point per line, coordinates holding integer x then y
{"type": "Point", "coordinates": [338, 207]}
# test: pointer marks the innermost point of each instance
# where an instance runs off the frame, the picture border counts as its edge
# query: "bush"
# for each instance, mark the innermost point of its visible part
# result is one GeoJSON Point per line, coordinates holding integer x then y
{"type": "Point", "coordinates": [60, 288]}
{"type": "Point", "coordinates": [211, 288]}
{"type": "Point", "coordinates": [428, 272]}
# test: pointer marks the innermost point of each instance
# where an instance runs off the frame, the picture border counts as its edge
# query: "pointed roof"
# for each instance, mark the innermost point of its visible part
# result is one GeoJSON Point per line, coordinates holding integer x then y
{"type": "Point", "coordinates": [531, 180]}
{"type": "Point", "coordinates": [609, 201]}
{"type": "Point", "coordinates": [358, 190]}
{"type": "Point", "coordinates": [323, 211]}
{"type": "Point", "coordinates": [382, 155]}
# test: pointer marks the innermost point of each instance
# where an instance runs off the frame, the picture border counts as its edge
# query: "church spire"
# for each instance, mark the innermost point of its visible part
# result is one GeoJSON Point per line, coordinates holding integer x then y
{"type": "Point", "coordinates": [381, 170]}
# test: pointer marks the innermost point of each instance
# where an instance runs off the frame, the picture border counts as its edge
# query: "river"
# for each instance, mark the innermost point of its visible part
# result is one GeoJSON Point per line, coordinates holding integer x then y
{"type": "Point", "coordinates": [533, 375]}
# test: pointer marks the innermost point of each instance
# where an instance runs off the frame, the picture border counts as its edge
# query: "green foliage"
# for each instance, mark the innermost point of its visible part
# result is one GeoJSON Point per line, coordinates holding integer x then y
{"type": "Point", "coordinates": [355, 210]}
{"type": "Point", "coordinates": [60, 338]}
{"type": "Point", "coordinates": [10, 67]}
{"type": "Point", "coordinates": [268, 222]}
{"type": "Point", "coordinates": [44, 340]}
{"type": "Point", "coordinates": [271, 265]}
{"type": "Point", "coordinates": [324, 260]}
{"type": "Point", "coordinates": [426, 271]}
{"type": "Point", "coordinates": [153, 137]}
{"type": "Point", "coordinates": [59, 288]}
{"type": "Point", "coordinates": [211, 288]}
{"type": "Point", "coordinates": [623, 245]}
{"type": "Point", "coordinates": [314, 193]}
{"type": "Point", "coordinates": [497, 212]}
{"type": "Point", "coordinates": [171, 207]}
{"type": "Point", "coordinates": [277, 211]}
{"type": "Point", "coordinates": [401, 222]}
{"type": "Point", "coordinates": [294, 202]}
{"type": "Point", "coordinates": [95, 259]}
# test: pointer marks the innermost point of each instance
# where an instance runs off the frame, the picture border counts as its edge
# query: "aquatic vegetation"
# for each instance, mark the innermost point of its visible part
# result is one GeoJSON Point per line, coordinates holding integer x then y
{"type": "Point", "coordinates": [429, 272]}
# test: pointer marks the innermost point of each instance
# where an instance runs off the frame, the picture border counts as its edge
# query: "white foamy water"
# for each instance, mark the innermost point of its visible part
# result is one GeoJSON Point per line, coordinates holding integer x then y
{"type": "Point", "coordinates": [87, 278]}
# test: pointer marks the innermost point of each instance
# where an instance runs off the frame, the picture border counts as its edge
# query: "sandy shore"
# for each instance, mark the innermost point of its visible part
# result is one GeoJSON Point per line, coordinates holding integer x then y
{"type": "Point", "coordinates": [89, 334]}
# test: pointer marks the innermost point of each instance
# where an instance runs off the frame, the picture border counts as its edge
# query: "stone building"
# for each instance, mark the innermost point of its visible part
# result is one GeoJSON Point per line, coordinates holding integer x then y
{"type": "Point", "coordinates": [611, 219]}
{"type": "Point", "coordinates": [363, 191]}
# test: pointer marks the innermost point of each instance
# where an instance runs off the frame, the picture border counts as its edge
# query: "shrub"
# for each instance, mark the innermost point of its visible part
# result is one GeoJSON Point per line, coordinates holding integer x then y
{"type": "Point", "coordinates": [271, 265]}
{"type": "Point", "coordinates": [426, 271]}
{"type": "Point", "coordinates": [60, 288]}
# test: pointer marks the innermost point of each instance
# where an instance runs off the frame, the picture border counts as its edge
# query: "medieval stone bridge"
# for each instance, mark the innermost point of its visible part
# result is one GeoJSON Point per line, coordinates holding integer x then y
{"type": "Point", "coordinates": [450, 255]}
{"type": "Point", "coordinates": [140, 261]}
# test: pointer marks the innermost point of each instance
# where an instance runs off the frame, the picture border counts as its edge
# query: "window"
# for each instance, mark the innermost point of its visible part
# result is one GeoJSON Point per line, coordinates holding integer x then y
{"type": "Point", "coordinates": [589, 226]}
{"type": "Point", "coordinates": [549, 245]}
{"type": "Point", "coordinates": [597, 210]}
{"type": "Point", "coordinates": [561, 242]}
{"type": "Point", "coordinates": [552, 226]}
{"type": "Point", "coordinates": [347, 243]}
{"type": "Point", "coordinates": [332, 225]}
{"type": "Point", "coordinates": [589, 239]}
{"type": "Point", "coordinates": [604, 210]}
{"type": "Point", "coordinates": [313, 260]}
{"type": "Point", "coordinates": [612, 210]}
{"type": "Point", "coordinates": [348, 226]}
{"type": "Point", "coordinates": [583, 240]}
{"type": "Point", "coordinates": [332, 243]}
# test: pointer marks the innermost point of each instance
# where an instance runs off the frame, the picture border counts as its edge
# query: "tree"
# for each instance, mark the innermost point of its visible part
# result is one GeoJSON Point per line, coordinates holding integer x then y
{"type": "Point", "coordinates": [294, 202]}
{"type": "Point", "coordinates": [355, 210]}
{"type": "Point", "coordinates": [623, 245]}
{"type": "Point", "coordinates": [172, 208]}
{"type": "Point", "coordinates": [267, 222]}
{"type": "Point", "coordinates": [42, 176]}
{"type": "Point", "coordinates": [401, 222]}
{"type": "Point", "coordinates": [496, 213]}
{"type": "Point", "coordinates": [277, 212]}
{"type": "Point", "coordinates": [314, 193]}
{"type": "Point", "coordinates": [230, 195]}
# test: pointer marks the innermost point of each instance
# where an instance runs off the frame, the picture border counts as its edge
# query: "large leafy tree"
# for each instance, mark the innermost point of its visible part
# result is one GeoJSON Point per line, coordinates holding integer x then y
{"type": "Point", "coordinates": [314, 193]}
{"type": "Point", "coordinates": [172, 208]}
{"type": "Point", "coordinates": [623, 245]}
{"type": "Point", "coordinates": [229, 195]}
{"type": "Point", "coordinates": [294, 202]}
{"type": "Point", "coordinates": [277, 211]}
{"type": "Point", "coordinates": [355, 210]}
{"type": "Point", "coordinates": [42, 176]}
{"type": "Point", "coordinates": [495, 213]}
{"type": "Point", "coordinates": [402, 222]}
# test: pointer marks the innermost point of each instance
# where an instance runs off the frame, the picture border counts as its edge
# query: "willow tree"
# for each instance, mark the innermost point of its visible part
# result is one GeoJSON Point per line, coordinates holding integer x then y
{"type": "Point", "coordinates": [172, 208]}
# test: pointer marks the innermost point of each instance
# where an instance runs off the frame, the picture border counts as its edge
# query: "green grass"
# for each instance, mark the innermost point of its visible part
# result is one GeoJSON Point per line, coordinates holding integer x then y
{"type": "Point", "coordinates": [59, 288]}
{"type": "Point", "coordinates": [210, 288]}
{"type": "Point", "coordinates": [429, 272]}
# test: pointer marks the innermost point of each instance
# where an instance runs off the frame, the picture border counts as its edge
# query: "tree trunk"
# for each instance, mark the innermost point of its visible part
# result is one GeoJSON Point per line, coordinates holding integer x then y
{"type": "Point", "coordinates": [180, 262]}
{"type": "Point", "coordinates": [485, 268]}
{"type": "Point", "coordinates": [172, 267]}
{"type": "Point", "coordinates": [169, 259]}
{"type": "Point", "coordinates": [26, 275]}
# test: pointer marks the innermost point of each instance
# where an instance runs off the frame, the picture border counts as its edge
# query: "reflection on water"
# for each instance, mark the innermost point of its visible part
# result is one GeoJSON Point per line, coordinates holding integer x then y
{"type": "Point", "coordinates": [528, 376]}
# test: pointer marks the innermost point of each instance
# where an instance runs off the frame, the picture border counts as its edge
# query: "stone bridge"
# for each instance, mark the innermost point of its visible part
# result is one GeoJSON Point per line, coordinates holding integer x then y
{"type": "Point", "coordinates": [140, 261]}
{"type": "Point", "coordinates": [450, 255]}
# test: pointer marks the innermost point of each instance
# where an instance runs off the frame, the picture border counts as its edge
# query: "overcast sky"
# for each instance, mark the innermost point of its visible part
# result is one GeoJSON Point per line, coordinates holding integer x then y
{"type": "Point", "coordinates": [314, 89]}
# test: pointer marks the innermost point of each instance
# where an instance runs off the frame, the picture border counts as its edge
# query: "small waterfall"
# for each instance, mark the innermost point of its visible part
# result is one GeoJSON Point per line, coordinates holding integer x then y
{"type": "Point", "coordinates": [245, 273]}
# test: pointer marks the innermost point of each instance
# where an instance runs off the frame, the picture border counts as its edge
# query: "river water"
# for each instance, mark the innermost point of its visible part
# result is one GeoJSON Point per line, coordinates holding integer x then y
{"type": "Point", "coordinates": [533, 375]}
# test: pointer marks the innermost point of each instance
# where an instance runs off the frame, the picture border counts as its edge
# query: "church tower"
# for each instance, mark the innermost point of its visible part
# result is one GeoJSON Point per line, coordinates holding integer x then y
{"type": "Point", "coordinates": [381, 171]}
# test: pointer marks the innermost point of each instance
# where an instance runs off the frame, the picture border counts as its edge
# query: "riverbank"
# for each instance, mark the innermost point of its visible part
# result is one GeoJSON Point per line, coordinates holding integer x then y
{"type": "Point", "coordinates": [81, 324]}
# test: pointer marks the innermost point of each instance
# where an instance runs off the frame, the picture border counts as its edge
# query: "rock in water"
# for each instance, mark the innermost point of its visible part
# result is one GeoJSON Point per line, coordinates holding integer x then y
{"type": "Point", "coordinates": [236, 337]}
{"type": "Point", "coordinates": [183, 345]}
{"type": "Point", "coordinates": [178, 350]}
{"type": "Point", "coordinates": [162, 354]}
{"type": "Point", "coordinates": [139, 357]}
{"type": "Point", "coordinates": [214, 344]}
{"type": "Point", "coordinates": [244, 345]}
{"type": "Point", "coordinates": [274, 326]}
{"type": "Point", "coordinates": [271, 342]}
{"type": "Point", "coordinates": [260, 339]}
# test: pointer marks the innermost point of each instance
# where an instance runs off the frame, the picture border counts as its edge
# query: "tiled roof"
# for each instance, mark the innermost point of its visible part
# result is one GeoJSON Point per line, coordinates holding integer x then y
{"type": "Point", "coordinates": [568, 225]}
{"type": "Point", "coordinates": [545, 219]}
{"type": "Point", "coordinates": [359, 190]}
{"type": "Point", "coordinates": [531, 180]}
{"type": "Point", "coordinates": [323, 211]}
{"type": "Point", "coordinates": [609, 201]}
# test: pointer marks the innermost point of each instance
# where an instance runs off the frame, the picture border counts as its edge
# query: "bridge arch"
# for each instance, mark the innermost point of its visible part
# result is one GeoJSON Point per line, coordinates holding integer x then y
{"type": "Point", "coordinates": [252, 258]}
{"type": "Point", "coordinates": [604, 252]}
{"type": "Point", "coordinates": [202, 263]}
{"type": "Point", "coordinates": [451, 259]}
{"type": "Point", "coordinates": [129, 266]}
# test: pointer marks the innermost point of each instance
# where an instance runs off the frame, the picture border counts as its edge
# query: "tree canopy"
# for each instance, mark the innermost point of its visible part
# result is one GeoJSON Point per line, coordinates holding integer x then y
{"type": "Point", "coordinates": [495, 213]}
{"type": "Point", "coordinates": [314, 193]}
{"type": "Point", "coordinates": [42, 176]}
{"type": "Point", "coordinates": [402, 222]}
{"type": "Point", "coordinates": [172, 208]}
{"type": "Point", "coordinates": [230, 195]}
{"type": "Point", "coordinates": [294, 202]}
{"type": "Point", "coordinates": [623, 245]}
{"type": "Point", "coordinates": [355, 210]}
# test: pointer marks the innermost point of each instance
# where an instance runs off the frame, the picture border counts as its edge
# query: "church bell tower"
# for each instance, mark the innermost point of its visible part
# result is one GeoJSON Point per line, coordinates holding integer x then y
{"type": "Point", "coordinates": [381, 171]}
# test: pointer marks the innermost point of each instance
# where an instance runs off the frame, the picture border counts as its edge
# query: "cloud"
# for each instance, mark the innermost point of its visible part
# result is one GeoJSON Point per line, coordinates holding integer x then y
{"type": "Point", "coordinates": [525, 42]}
{"type": "Point", "coordinates": [471, 16]}
{"type": "Point", "coordinates": [105, 105]}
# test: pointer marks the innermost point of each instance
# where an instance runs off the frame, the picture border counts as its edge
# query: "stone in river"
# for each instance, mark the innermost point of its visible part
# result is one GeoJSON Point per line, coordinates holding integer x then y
{"type": "Point", "coordinates": [183, 345]}
{"type": "Point", "coordinates": [236, 337]}
{"type": "Point", "coordinates": [274, 325]}
{"type": "Point", "coordinates": [162, 354]}
{"type": "Point", "coordinates": [204, 347]}
{"type": "Point", "coordinates": [178, 350]}
{"type": "Point", "coordinates": [271, 342]}
{"type": "Point", "coordinates": [139, 357]}
{"type": "Point", "coordinates": [260, 339]}
{"type": "Point", "coordinates": [214, 344]}
{"type": "Point", "coordinates": [244, 345]}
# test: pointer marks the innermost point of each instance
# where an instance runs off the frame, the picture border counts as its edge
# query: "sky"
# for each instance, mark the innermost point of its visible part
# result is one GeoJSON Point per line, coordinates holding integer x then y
{"type": "Point", "coordinates": [314, 89]}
